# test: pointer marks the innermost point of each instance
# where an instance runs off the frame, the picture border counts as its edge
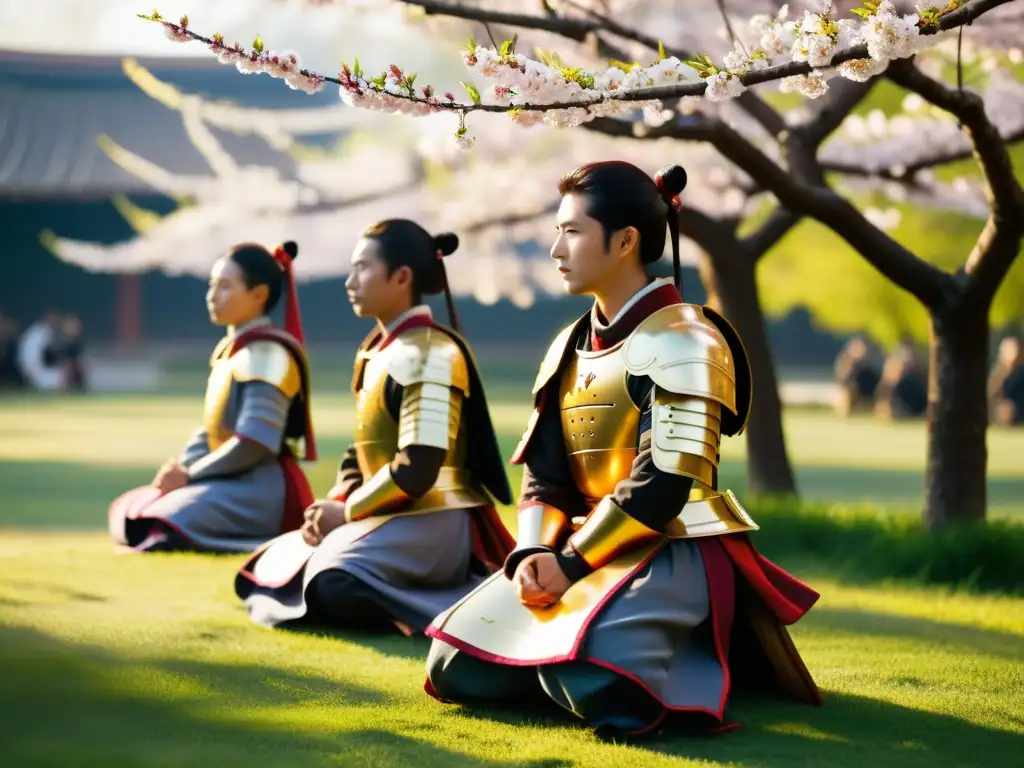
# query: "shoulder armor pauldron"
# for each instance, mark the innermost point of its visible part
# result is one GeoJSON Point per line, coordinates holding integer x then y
{"type": "Point", "coordinates": [270, 362]}
{"type": "Point", "coordinates": [683, 352]}
{"type": "Point", "coordinates": [428, 356]}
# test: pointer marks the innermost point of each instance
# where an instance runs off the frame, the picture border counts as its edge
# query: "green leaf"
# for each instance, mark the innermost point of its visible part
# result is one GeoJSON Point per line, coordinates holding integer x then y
{"type": "Point", "coordinates": [257, 44]}
{"type": "Point", "coordinates": [550, 58]}
{"type": "Point", "coordinates": [471, 46]}
{"type": "Point", "coordinates": [357, 68]}
{"type": "Point", "coordinates": [474, 94]}
{"type": "Point", "coordinates": [661, 51]}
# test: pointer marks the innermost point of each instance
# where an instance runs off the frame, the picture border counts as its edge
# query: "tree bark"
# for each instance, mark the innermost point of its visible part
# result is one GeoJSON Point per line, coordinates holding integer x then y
{"type": "Point", "coordinates": [732, 289]}
{"type": "Point", "coordinates": [955, 490]}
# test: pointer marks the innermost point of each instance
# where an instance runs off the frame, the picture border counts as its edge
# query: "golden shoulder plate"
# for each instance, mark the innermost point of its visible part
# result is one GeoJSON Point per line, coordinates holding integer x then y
{"type": "Point", "coordinates": [270, 362]}
{"type": "Point", "coordinates": [428, 356]}
{"type": "Point", "coordinates": [684, 353]}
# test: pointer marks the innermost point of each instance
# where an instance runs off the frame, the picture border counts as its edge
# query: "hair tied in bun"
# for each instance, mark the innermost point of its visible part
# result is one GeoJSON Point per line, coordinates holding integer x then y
{"type": "Point", "coordinates": [285, 254]}
{"type": "Point", "coordinates": [671, 181]}
{"type": "Point", "coordinates": [446, 244]}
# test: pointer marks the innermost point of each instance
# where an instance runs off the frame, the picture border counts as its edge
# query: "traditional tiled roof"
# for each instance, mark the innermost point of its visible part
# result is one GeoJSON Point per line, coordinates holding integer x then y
{"type": "Point", "coordinates": [53, 108]}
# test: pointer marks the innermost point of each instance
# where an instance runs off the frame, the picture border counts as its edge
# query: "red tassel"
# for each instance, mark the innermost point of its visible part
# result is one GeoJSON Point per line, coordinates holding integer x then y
{"type": "Point", "coordinates": [292, 318]}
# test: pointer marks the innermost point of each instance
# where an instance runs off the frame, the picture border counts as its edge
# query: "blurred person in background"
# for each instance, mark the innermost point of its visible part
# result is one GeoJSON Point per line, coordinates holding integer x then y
{"type": "Point", "coordinates": [66, 352]}
{"type": "Point", "coordinates": [10, 373]}
{"type": "Point", "coordinates": [409, 527]}
{"type": "Point", "coordinates": [1006, 384]}
{"type": "Point", "coordinates": [903, 390]}
{"type": "Point", "coordinates": [36, 359]}
{"type": "Point", "coordinates": [857, 374]}
{"type": "Point", "coordinates": [237, 483]}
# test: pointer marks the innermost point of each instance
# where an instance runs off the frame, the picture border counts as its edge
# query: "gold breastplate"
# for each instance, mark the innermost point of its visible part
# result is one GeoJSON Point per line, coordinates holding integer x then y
{"type": "Point", "coordinates": [599, 421]}
{"type": "Point", "coordinates": [376, 432]}
{"type": "Point", "coordinates": [218, 390]}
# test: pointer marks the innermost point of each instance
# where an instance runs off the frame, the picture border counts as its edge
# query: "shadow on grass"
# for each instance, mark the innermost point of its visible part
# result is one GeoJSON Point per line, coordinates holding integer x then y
{"type": "Point", "coordinates": [959, 637]}
{"type": "Point", "coordinates": [848, 730]}
{"type": "Point", "coordinates": [388, 643]}
{"type": "Point", "coordinates": [69, 594]}
{"type": "Point", "coordinates": [67, 704]}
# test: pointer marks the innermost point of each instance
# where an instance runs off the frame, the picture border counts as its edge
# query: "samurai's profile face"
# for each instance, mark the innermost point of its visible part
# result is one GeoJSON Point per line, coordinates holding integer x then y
{"type": "Point", "coordinates": [588, 258]}
{"type": "Point", "coordinates": [229, 299]}
{"type": "Point", "coordinates": [373, 289]}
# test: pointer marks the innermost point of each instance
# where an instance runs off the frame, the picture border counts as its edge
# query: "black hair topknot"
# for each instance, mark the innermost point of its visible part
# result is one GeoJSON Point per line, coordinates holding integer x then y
{"type": "Point", "coordinates": [674, 179]}
{"type": "Point", "coordinates": [446, 243]}
{"type": "Point", "coordinates": [291, 248]}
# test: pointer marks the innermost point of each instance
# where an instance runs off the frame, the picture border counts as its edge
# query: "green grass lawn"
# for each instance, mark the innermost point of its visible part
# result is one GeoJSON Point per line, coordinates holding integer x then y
{"type": "Point", "coordinates": [150, 660]}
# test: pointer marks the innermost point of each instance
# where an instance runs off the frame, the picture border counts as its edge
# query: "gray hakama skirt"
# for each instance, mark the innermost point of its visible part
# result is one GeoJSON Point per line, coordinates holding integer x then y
{"type": "Point", "coordinates": [236, 514]}
{"type": "Point", "coordinates": [411, 568]}
{"type": "Point", "coordinates": [651, 646]}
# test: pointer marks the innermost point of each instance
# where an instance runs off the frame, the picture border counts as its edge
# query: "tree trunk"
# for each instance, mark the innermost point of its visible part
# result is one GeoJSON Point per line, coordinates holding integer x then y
{"type": "Point", "coordinates": [957, 416]}
{"type": "Point", "coordinates": [732, 289]}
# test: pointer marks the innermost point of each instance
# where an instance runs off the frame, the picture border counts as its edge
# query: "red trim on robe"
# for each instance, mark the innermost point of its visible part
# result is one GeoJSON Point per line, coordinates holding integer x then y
{"type": "Point", "coordinates": [297, 494]}
{"type": "Point", "coordinates": [492, 543]}
{"type": "Point", "coordinates": [419, 320]}
{"type": "Point", "coordinates": [659, 298]}
{"type": "Point", "coordinates": [787, 597]}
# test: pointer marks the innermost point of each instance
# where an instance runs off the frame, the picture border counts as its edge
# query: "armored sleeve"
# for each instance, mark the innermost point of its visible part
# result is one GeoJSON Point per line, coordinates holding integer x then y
{"type": "Point", "coordinates": [233, 457]}
{"type": "Point", "coordinates": [197, 446]}
{"type": "Point", "coordinates": [259, 431]}
{"type": "Point", "coordinates": [262, 414]}
{"type": "Point", "coordinates": [693, 370]}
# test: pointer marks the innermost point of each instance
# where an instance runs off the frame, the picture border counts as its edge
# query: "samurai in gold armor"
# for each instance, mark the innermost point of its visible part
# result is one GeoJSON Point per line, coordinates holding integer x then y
{"type": "Point", "coordinates": [634, 591]}
{"type": "Point", "coordinates": [409, 526]}
{"type": "Point", "coordinates": [237, 483]}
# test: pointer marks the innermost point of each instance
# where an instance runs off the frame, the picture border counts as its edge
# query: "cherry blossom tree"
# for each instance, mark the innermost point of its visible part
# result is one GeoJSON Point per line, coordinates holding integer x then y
{"type": "Point", "coordinates": [783, 160]}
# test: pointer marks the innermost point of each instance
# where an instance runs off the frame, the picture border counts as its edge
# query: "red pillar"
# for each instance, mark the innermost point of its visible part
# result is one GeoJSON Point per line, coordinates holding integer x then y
{"type": "Point", "coordinates": [129, 311]}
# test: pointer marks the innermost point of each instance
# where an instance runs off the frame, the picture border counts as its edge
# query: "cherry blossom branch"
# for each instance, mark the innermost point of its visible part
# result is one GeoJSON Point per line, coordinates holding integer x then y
{"type": "Point", "coordinates": [999, 243]}
{"type": "Point", "coordinates": [842, 100]}
{"type": "Point", "coordinates": [969, 108]}
{"type": "Point", "coordinates": [928, 283]}
{"type": "Point", "coordinates": [394, 90]}
{"type": "Point", "coordinates": [907, 171]}
{"type": "Point", "coordinates": [753, 104]}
